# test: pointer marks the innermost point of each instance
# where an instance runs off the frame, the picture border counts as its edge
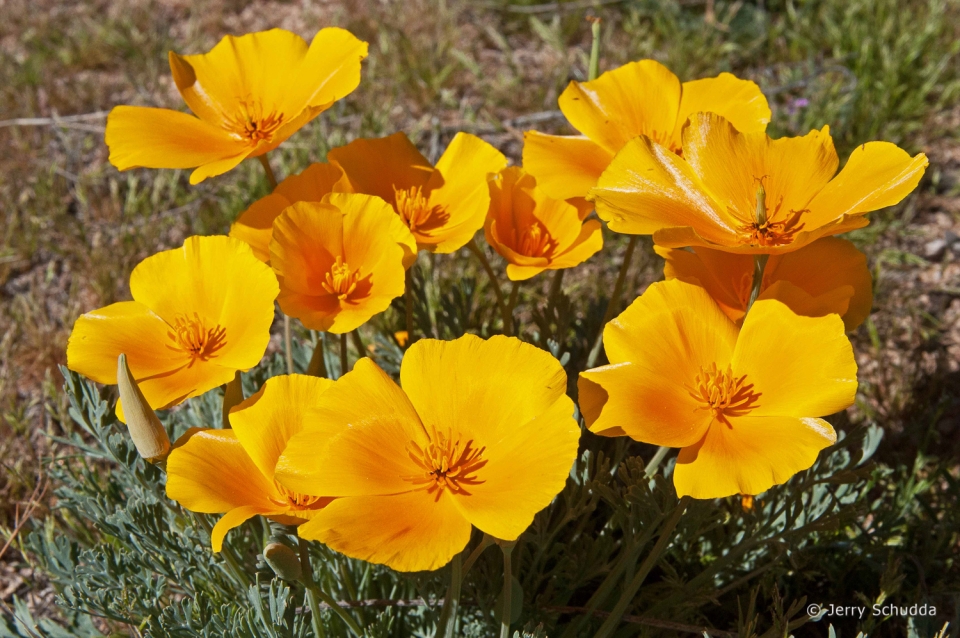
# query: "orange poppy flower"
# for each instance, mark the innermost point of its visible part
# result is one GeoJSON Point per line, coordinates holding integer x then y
{"type": "Point", "coordinates": [638, 98]}
{"type": "Point", "coordinates": [747, 193]}
{"type": "Point", "coordinates": [248, 93]}
{"type": "Point", "coordinates": [828, 276]}
{"type": "Point", "coordinates": [339, 262]}
{"type": "Point", "coordinates": [534, 232]}
{"type": "Point", "coordinates": [199, 314]}
{"type": "Point", "coordinates": [442, 205]}
{"type": "Point", "coordinates": [231, 471]}
{"type": "Point", "coordinates": [255, 225]}
{"type": "Point", "coordinates": [481, 434]}
{"type": "Point", "coordinates": [742, 404]}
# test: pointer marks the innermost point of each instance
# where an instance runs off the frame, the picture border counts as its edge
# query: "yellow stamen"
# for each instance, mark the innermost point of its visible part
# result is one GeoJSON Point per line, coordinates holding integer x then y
{"type": "Point", "coordinates": [252, 124]}
{"type": "Point", "coordinates": [341, 281]}
{"type": "Point", "coordinates": [415, 210]}
{"type": "Point", "coordinates": [723, 394]}
{"type": "Point", "coordinates": [763, 231]}
{"type": "Point", "coordinates": [191, 336]}
{"type": "Point", "coordinates": [298, 501]}
{"type": "Point", "coordinates": [535, 241]}
{"type": "Point", "coordinates": [446, 464]}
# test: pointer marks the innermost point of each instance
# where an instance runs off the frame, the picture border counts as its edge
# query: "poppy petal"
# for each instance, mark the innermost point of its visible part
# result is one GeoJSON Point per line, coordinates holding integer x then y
{"type": "Point", "coordinates": [231, 520]}
{"type": "Point", "coordinates": [750, 455]}
{"type": "Point", "coordinates": [793, 378]}
{"type": "Point", "coordinates": [407, 532]}
{"type": "Point", "coordinates": [565, 166]}
{"type": "Point", "coordinates": [740, 102]}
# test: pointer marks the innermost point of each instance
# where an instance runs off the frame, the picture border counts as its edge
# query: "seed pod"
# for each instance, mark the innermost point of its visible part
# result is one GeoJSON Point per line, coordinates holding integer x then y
{"type": "Point", "coordinates": [148, 434]}
{"type": "Point", "coordinates": [283, 561]}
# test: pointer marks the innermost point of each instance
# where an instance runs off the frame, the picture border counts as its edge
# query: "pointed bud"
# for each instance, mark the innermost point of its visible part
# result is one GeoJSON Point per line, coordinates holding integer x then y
{"type": "Point", "coordinates": [145, 428]}
{"type": "Point", "coordinates": [232, 395]}
{"type": "Point", "coordinates": [283, 561]}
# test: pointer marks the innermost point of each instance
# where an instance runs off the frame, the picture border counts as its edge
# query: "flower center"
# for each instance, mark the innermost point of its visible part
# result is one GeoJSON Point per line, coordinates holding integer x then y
{"type": "Point", "coordinates": [535, 241]}
{"type": "Point", "coordinates": [764, 230]}
{"type": "Point", "coordinates": [190, 335]}
{"type": "Point", "coordinates": [447, 464]}
{"type": "Point", "coordinates": [415, 210]}
{"type": "Point", "coordinates": [723, 394]}
{"type": "Point", "coordinates": [341, 281]}
{"type": "Point", "coordinates": [252, 124]}
{"type": "Point", "coordinates": [298, 501]}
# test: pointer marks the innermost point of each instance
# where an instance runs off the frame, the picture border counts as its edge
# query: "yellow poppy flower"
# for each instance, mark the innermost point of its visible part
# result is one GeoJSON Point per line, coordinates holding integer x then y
{"type": "Point", "coordinates": [442, 205]}
{"type": "Point", "coordinates": [828, 276]}
{"type": "Point", "coordinates": [248, 93]}
{"type": "Point", "coordinates": [747, 193]}
{"type": "Point", "coordinates": [742, 404]}
{"type": "Point", "coordinates": [534, 232]}
{"type": "Point", "coordinates": [482, 434]}
{"type": "Point", "coordinates": [638, 98]}
{"type": "Point", "coordinates": [231, 471]}
{"type": "Point", "coordinates": [255, 225]}
{"type": "Point", "coordinates": [339, 262]}
{"type": "Point", "coordinates": [199, 313]}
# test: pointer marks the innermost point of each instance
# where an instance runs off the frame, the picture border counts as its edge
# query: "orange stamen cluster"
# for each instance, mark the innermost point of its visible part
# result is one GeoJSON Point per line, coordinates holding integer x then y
{"type": "Point", "coordinates": [341, 281]}
{"type": "Point", "coordinates": [535, 241]}
{"type": "Point", "coordinates": [252, 124]}
{"type": "Point", "coordinates": [723, 394]}
{"type": "Point", "coordinates": [446, 464]}
{"type": "Point", "coordinates": [296, 500]}
{"type": "Point", "coordinates": [191, 336]}
{"type": "Point", "coordinates": [415, 210]}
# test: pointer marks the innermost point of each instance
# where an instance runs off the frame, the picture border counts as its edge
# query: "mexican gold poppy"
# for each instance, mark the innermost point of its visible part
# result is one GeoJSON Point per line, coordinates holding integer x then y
{"type": "Point", "coordinates": [338, 262]}
{"type": "Point", "coordinates": [638, 98]}
{"type": "Point", "coordinates": [745, 192]}
{"type": "Point", "coordinates": [255, 225]}
{"type": "Point", "coordinates": [199, 313]}
{"type": "Point", "coordinates": [231, 472]}
{"type": "Point", "coordinates": [828, 276]}
{"type": "Point", "coordinates": [742, 404]}
{"type": "Point", "coordinates": [534, 232]}
{"type": "Point", "coordinates": [481, 434]}
{"type": "Point", "coordinates": [442, 205]}
{"type": "Point", "coordinates": [248, 93]}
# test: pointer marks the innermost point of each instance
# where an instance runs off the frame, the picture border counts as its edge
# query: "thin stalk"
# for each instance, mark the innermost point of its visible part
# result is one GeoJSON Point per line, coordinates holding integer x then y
{"type": "Point", "coordinates": [451, 602]}
{"type": "Point", "coordinates": [501, 302]}
{"type": "Point", "coordinates": [555, 286]}
{"type": "Point", "coordinates": [287, 342]}
{"type": "Point", "coordinates": [507, 595]}
{"type": "Point", "coordinates": [343, 354]}
{"type": "Point", "coordinates": [759, 265]}
{"type": "Point", "coordinates": [511, 305]}
{"type": "Point", "coordinates": [655, 462]}
{"type": "Point", "coordinates": [314, 592]}
{"type": "Point", "coordinates": [666, 535]}
{"type": "Point", "coordinates": [475, 554]}
{"type": "Point", "coordinates": [614, 303]}
{"type": "Point", "coordinates": [271, 177]}
{"type": "Point", "coordinates": [408, 299]}
{"type": "Point", "coordinates": [358, 343]}
{"type": "Point", "coordinates": [232, 395]}
{"type": "Point", "coordinates": [318, 365]}
{"type": "Point", "coordinates": [593, 70]}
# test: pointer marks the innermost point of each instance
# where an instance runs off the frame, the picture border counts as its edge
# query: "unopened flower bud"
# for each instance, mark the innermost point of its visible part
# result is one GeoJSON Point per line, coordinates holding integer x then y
{"type": "Point", "coordinates": [148, 434]}
{"type": "Point", "coordinates": [283, 561]}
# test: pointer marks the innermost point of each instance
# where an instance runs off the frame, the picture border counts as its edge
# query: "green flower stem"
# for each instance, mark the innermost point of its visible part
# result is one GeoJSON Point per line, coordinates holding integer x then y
{"type": "Point", "coordinates": [288, 343]}
{"type": "Point", "coordinates": [511, 304]}
{"type": "Point", "coordinates": [271, 177]}
{"type": "Point", "coordinates": [451, 602]}
{"type": "Point", "coordinates": [593, 70]}
{"type": "Point", "coordinates": [358, 343]}
{"type": "Point", "coordinates": [759, 265]}
{"type": "Point", "coordinates": [408, 300]}
{"type": "Point", "coordinates": [343, 354]}
{"type": "Point", "coordinates": [318, 364]}
{"type": "Point", "coordinates": [654, 464]}
{"type": "Point", "coordinates": [314, 592]}
{"type": "Point", "coordinates": [614, 303]}
{"type": "Point", "coordinates": [507, 595]}
{"type": "Point", "coordinates": [501, 302]}
{"type": "Point", "coordinates": [666, 535]}
{"type": "Point", "coordinates": [475, 554]}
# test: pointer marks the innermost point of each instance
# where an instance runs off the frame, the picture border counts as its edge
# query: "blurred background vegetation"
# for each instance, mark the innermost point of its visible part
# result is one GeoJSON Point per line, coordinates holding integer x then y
{"type": "Point", "coordinates": [72, 227]}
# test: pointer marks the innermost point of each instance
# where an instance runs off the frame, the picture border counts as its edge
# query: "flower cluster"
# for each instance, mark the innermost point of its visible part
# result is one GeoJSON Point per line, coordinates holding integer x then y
{"type": "Point", "coordinates": [734, 358]}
